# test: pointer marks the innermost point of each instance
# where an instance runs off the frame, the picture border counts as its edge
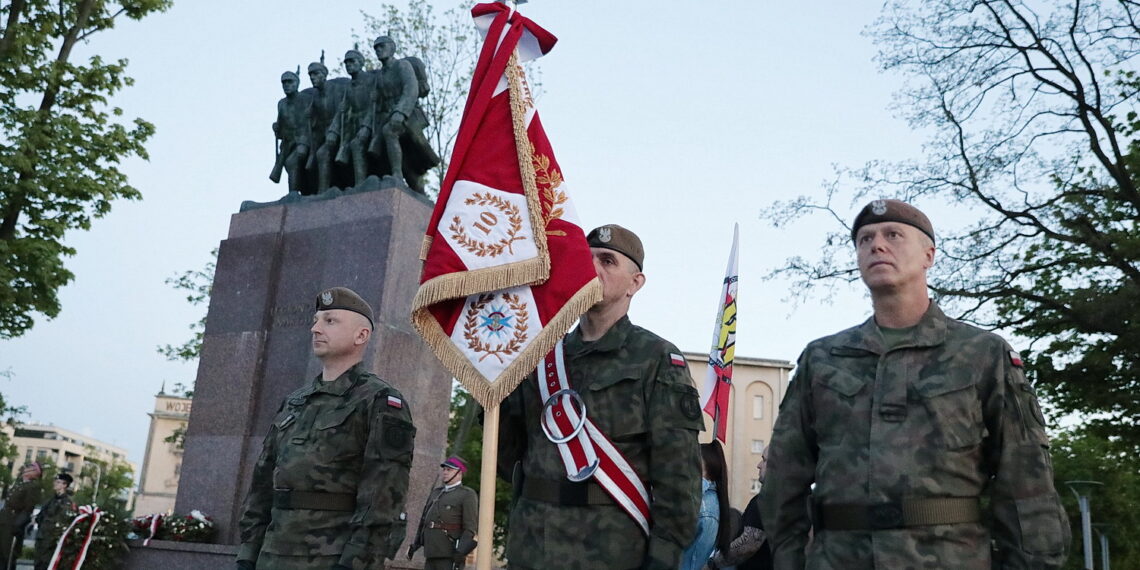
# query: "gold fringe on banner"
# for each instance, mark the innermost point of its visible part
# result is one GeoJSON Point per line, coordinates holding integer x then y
{"type": "Point", "coordinates": [489, 393]}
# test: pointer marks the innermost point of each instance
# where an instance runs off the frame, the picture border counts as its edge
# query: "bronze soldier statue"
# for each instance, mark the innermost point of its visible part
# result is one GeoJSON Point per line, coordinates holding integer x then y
{"type": "Point", "coordinates": [902, 424]}
{"type": "Point", "coordinates": [329, 486]}
{"type": "Point", "coordinates": [400, 122]}
{"type": "Point", "coordinates": [352, 127]}
{"type": "Point", "coordinates": [292, 130]}
{"type": "Point", "coordinates": [636, 389]}
{"type": "Point", "coordinates": [450, 520]}
{"type": "Point", "coordinates": [325, 97]}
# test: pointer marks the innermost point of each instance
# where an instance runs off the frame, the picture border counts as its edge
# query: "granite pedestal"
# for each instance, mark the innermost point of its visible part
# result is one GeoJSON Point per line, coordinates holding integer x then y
{"type": "Point", "coordinates": [256, 348]}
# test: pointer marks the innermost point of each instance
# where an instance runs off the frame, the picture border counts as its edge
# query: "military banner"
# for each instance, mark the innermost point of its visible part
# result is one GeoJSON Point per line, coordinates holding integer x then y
{"type": "Point", "coordinates": [717, 386]}
{"type": "Point", "coordinates": [506, 266]}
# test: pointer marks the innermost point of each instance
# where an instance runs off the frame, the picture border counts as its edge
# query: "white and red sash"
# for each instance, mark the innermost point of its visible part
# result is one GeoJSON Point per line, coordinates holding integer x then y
{"type": "Point", "coordinates": [585, 450]}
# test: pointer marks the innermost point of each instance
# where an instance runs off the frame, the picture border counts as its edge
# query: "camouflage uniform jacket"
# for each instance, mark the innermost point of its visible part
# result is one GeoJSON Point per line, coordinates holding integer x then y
{"type": "Point", "coordinates": [454, 507]}
{"type": "Point", "coordinates": [646, 404]}
{"type": "Point", "coordinates": [353, 435]}
{"type": "Point", "coordinates": [946, 412]}
{"type": "Point", "coordinates": [59, 509]}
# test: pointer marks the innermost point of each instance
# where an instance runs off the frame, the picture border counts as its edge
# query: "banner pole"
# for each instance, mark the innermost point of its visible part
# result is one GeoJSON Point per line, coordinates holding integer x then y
{"type": "Point", "coordinates": [486, 548]}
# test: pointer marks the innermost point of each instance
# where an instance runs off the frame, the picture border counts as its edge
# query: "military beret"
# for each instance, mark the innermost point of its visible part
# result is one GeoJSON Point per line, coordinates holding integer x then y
{"type": "Point", "coordinates": [888, 210]}
{"type": "Point", "coordinates": [619, 239]}
{"type": "Point", "coordinates": [65, 477]}
{"type": "Point", "coordinates": [344, 298]}
{"type": "Point", "coordinates": [455, 463]}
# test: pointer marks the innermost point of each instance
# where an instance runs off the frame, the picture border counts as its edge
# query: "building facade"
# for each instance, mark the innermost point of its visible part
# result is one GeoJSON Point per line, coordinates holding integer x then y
{"type": "Point", "coordinates": [68, 450]}
{"type": "Point", "coordinates": [758, 386]}
{"type": "Point", "coordinates": [162, 464]}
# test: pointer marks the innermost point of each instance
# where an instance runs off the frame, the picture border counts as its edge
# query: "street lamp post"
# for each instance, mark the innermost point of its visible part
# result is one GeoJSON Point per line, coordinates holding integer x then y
{"type": "Point", "coordinates": [1082, 489]}
{"type": "Point", "coordinates": [1102, 533]}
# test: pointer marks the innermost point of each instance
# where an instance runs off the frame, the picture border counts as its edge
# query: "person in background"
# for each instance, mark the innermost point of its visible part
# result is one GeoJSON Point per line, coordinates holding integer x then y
{"type": "Point", "coordinates": [59, 508]}
{"type": "Point", "coordinates": [714, 528]}
{"type": "Point", "coordinates": [749, 550]}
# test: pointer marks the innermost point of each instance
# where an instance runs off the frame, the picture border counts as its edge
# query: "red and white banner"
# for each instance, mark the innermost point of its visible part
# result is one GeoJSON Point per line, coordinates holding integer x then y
{"type": "Point", "coordinates": [506, 269]}
{"type": "Point", "coordinates": [717, 386]}
{"type": "Point", "coordinates": [586, 451]}
{"type": "Point", "coordinates": [90, 513]}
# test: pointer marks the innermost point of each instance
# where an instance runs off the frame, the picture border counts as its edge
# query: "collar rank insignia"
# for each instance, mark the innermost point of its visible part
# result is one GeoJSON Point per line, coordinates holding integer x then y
{"type": "Point", "coordinates": [1015, 359]}
{"type": "Point", "coordinates": [604, 235]}
{"type": "Point", "coordinates": [879, 207]}
{"type": "Point", "coordinates": [394, 402]}
{"type": "Point", "coordinates": [676, 359]}
{"type": "Point", "coordinates": [326, 298]}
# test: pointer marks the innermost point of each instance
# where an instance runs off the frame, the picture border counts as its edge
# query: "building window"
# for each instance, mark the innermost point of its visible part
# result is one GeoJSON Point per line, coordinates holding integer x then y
{"type": "Point", "coordinates": [28, 456]}
{"type": "Point", "coordinates": [757, 446]}
{"type": "Point", "coordinates": [41, 454]}
{"type": "Point", "coordinates": [757, 407]}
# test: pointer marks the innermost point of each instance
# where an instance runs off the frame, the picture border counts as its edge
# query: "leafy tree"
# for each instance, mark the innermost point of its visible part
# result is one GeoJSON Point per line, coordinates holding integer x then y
{"type": "Point", "coordinates": [60, 144]}
{"type": "Point", "coordinates": [1081, 455]}
{"type": "Point", "coordinates": [197, 283]}
{"type": "Point", "coordinates": [465, 437]}
{"type": "Point", "coordinates": [104, 482]}
{"type": "Point", "coordinates": [1031, 108]}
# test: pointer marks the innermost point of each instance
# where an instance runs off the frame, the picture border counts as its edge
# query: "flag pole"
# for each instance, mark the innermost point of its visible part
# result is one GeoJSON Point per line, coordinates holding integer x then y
{"type": "Point", "coordinates": [486, 548]}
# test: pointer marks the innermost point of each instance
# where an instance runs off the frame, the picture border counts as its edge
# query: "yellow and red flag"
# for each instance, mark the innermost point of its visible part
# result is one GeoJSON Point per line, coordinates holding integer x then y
{"type": "Point", "coordinates": [717, 386]}
{"type": "Point", "coordinates": [507, 269]}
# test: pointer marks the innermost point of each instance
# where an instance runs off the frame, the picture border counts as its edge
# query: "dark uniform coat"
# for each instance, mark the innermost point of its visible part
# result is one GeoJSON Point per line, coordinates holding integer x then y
{"type": "Point", "coordinates": [58, 509]}
{"type": "Point", "coordinates": [449, 516]}
{"type": "Point", "coordinates": [945, 412]}
{"type": "Point", "coordinates": [637, 390]}
{"type": "Point", "coordinates": [332, 476]}
{"type": "Point", "coordinates": [15, 516]}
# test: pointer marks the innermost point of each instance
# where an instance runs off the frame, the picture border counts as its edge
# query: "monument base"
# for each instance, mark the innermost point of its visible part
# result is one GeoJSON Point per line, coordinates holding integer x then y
{"type": "Point", "coordinates": [257, 348]}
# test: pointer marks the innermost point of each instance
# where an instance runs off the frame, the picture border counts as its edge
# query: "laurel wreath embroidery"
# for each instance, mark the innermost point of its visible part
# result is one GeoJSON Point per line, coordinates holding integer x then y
{"type": "Point", "coordinates": [551, 197]}
{"type": "Point", "coordinates": [470, 327]}
{"type": "Point", "coordinates": [482, 248]}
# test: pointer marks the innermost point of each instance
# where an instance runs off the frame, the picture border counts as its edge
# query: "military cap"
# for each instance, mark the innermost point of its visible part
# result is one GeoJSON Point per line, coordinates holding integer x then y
{"type": "Point", "coordinates": [619, 239]}
{"type": "Point", "coordinates": [383, 39]}
{"type": "Point", "coordinates": [887, 210]}
{"type": "Point", "coordinates": [290, 75]}
{"type": "Point", "coordinates": [318, 66]}
{"type": "Point", "coordinates": [350, 54]}
{"type": "Point", "coordinates": [65, 477]}
{"type": "Point", "coordinates": [344, 298]}
{"type": "Point", "coordinates": [455, 463]}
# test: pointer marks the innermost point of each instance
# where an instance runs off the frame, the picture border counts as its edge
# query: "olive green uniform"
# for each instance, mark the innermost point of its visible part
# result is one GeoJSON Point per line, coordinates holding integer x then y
{"type": "Point", "coordinates": [643, 400]}
{"type": "Point", "coordinates": [449, 516]}
{"type": "Point", "coordinates": [58, 509]}
{"type": "Point", "coordinates": [331, 480]}
{"type": "Point", "coordinates": [944, 412]}
{"type": "Point", "coordinates": [15, 516]}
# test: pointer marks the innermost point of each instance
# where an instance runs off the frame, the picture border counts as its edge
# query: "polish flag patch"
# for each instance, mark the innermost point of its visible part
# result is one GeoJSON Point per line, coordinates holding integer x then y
{"type": "Point", "coordinates": [1015, 359]}
{"type": "Point", "coordinates": [394, 402]}
{"type": "Point", "coordinates": [676, 359]}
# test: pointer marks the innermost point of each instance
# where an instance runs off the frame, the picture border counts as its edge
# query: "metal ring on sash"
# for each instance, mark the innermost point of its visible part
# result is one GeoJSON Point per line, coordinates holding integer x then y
{"type": "Point", "coordinates": [550, 402]}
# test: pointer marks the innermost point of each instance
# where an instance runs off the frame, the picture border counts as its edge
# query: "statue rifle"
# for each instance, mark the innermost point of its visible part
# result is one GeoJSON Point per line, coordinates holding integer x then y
{"type": "Point", "coordinates": [278, 161]}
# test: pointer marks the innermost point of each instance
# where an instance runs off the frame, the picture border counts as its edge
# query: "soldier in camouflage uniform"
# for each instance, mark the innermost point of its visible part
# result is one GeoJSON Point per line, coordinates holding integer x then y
{"type": "Point", "coordinates": [449, 521]}
{"type": "Point", "coordinates": [637, 390]}
{"type": "Point", "coordinates": [330, 483]}
{"type": "Point", "coordinates": [902, 423]}
{"type": "Point", "coordinates": [17, 513]}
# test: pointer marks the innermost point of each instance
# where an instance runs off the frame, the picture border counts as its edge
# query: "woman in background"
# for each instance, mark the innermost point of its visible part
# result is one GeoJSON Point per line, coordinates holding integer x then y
{"type": "Point", "coordinates": [713, 528]}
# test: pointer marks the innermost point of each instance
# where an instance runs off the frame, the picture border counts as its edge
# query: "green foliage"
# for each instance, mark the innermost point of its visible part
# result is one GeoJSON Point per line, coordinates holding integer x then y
{"type": "Point", "coordinates": [104, 483]}
{"type": "Point", "coordinates": [197, 283]}
{"type": "Point", "coordinates": [7, 448]}
{"type": "Point", "coordinates": [61, 144]}
{"type": "Point", "coordinates": [464, 407]}
{"type": "Point", "coordinates": [1031, 110]}
{"type": "Point", "coordinates": [1081, 455]}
